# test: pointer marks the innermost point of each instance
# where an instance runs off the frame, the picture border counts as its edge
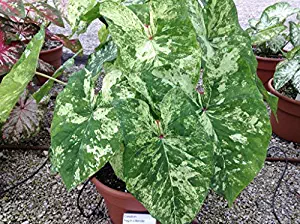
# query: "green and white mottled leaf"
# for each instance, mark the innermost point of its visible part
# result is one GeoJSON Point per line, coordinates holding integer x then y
{"type": "Point", "coordinates": [116, 86]}
{"type": "Point", "coordinates": [77, 10]}
{"type": "Point", "coordinates": [266, 22]}
{"type": "Point", "coordinates": [235, 115]}
{"type": "Point", "coordinates": [295, 34]}
{"type": "Point", "coordinates": [174, 152]}
{"type": "Point", "coordinates": [281, 10]}
{"type": "Point", "coordinates": [14, 83]}
{"type": "Point", "coordinates": [267, 34]}
{"type": "Point", "coordinates": [84, 131]}
{"type": "Point", "coordinates": [106, 53]}
{"type": "Point", "coordinates": [253, 23]}
{"type": "Point", "coordinates": [288, 70]}
{"type": "Point", "coordinates": [165, 40]}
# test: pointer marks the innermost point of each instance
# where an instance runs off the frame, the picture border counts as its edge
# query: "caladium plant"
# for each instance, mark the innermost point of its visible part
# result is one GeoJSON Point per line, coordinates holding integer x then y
{"type": "Point", "coordinates": [270, 34]}
{"type": "Point", "coordinates": [289, 71]}
{"type": "Point", "coordinates": [175, 142]}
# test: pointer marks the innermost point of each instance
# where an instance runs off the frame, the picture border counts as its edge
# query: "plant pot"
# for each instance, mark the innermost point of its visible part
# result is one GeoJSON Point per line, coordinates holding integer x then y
{"type": "Point", "coordinates": [118, 202]}
{"type": "Point", "coordinates": [288, 113]}
{"type": "Point", "coordinates": [52, 57]}
{"type": "Point", "coordinates": [266, 68]}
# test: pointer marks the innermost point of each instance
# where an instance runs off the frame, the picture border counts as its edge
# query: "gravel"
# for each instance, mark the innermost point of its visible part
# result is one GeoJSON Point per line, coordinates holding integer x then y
{"type": "Point", "coordinates": [44, 198]}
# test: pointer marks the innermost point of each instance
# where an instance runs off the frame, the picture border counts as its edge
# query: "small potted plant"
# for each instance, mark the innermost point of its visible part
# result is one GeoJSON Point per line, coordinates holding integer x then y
{"type": "Point", "coordinates": [286, 86]}
{"type": "Point", "coordinates": [150, 126]}
{"type": "Point", "coordinates": [19, 22]}
{"type": "Point", "coordinates": [270, 36]}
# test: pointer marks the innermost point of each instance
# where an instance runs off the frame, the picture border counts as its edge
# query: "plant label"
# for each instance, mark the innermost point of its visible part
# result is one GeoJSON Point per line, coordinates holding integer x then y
{"type": "Point", "coordinates": [298, 97]}
{"type": "Point", "coordinates": [129, 218]}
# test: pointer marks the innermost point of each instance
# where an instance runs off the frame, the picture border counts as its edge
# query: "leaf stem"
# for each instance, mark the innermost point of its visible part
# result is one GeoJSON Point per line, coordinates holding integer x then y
{"type": "Point", "coordinates": [49, 77]}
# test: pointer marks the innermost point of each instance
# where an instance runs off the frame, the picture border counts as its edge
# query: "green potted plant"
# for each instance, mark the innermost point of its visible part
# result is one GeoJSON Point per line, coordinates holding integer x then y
{"type": "Point", "coordinates": [286, 86]}
{"type": "Point", "coordinates": [19, 22]}
{"type": "Point", "coordinates": [169, 140]}
{"type": "Point", "coordinates": [270, 36]}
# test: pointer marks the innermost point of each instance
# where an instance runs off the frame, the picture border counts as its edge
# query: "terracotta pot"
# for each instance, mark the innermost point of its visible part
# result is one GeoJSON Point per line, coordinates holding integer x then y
{"type": "Point", "coordinates": [288, 113]}
{"type": "Point", "coordinates": [266, 68]}
{"type": "Point", "coordinates": [53, 57]}
{"type": "Point", "coordinates": [118, 202]}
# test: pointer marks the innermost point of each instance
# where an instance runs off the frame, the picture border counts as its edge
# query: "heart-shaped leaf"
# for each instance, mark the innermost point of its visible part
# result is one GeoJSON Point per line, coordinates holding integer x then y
{"type": "Point", "coordinates": [167, 163]}
{"type": "Point", "coordinates": [235, 116]}
{"type": "Point", "coordinates": [24, 120]}
{"type": "Point", "coordinates": [164, 40]}
{"type": "Point", "coordinates": [84, 131]}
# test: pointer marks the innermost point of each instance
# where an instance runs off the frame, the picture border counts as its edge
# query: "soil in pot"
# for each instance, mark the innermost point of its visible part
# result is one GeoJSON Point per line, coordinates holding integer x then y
{"type": "Point", "coordinates": [266, 66]}
{"type": "Point", "coordinates": [113, 191]}
{"type": "Point", "coordinates": [288, 114]}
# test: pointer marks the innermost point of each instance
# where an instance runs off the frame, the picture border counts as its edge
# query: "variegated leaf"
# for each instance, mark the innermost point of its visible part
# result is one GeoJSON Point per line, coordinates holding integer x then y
{"type": "Point", "coordinates": [84, 131]}
{"type": "Point", "coordinates": [116, 86]}
{"type": "Point", "coordinates": [235, 116]}
{"type": "Point", "coordinates": [107, 53]}
{"type": "Point", "coordinates": [76, 9]}
{"type": "Point", "coordinates": [24, 120]}
{"type": "Point", "coordinates": [165, 40]}
{"type": "Point", "coordinates": [47, 12]}
{"type": "Point", "coordinates": [9, 53]}
{"type": "Point", "coordinates": [14, 83]}
{"type": "Point", "coordinates": [288, 69]}
{"type": "Point", "coordinates": [295, 34]}
{"type": "Point", "coordinates": [167, 163]}
{"type": "Point", "coordinates": [12, 8]}
{"type": "Point", "coordinates": [267, 34]}
{"type": "Point", "coordinates": [281, 10]}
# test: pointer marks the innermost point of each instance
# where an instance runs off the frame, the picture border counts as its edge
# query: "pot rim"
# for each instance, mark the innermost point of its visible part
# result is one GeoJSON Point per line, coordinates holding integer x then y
{"type": "Point", "coordinates": [109, 190]}
{"type": "Point", "coordinates": [269, 59]}
{"type": "Point", "coordinates": [51, 50]}
{"type": "Point", "coordinates": [276, 93]}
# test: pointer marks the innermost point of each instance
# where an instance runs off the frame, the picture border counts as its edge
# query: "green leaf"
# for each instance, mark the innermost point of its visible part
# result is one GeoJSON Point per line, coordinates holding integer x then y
{"type": "Point", "coordinates": [235, 115]}
{"type": "Point", "coordinates": [116, 86]}
{"type": "Point", "coordinates": [84, 131]}
{"type": "Point", "coordinates": [14, 83]}
{"type": "Point", "coordinates": [45, 89]}
{"type": "Point", "coordinates": [167, 168]}
{"type": "Point", "coordinates": [107, 53]}
{"type": "Point", "coordinates": [271, 100]}
{"type": "Point", "coordinates": [267, 34]}
{"type": "Point", "coordinates": [295, 34]}
{"type": "Point", "coordinates": [165, 40]}
{"type": "Point", "coordinates": [287, 70]}
{"type": "Point", "coordinates": [281, 10]}
{"type": "Point", "coordinates": [78, 10]}
{"type": "Point", "coordinates": [103, 34]}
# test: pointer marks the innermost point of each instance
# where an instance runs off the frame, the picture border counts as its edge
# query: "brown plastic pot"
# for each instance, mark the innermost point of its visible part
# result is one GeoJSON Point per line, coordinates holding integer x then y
{"type": "Point", "coordinates": [288, 114]}
{"type": "Point", "coordinates": [118, 202]}
{"type": "Point", "coordinates": [52, 57]}
{"type": "Point", "coordinates": [266, 68]}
